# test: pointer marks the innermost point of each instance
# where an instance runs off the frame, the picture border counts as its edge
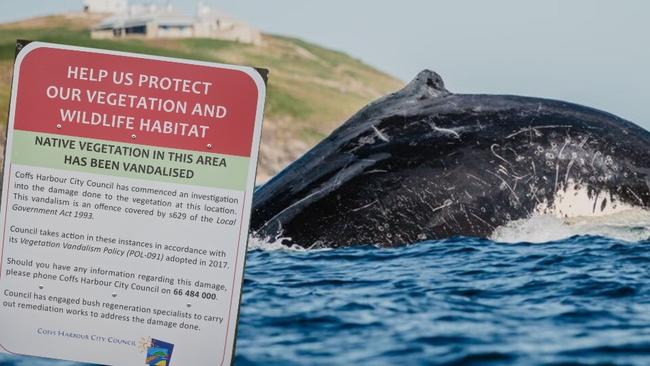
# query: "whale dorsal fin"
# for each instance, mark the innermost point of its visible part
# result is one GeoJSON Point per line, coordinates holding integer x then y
{"type": "Point", "coordinates": [427, 84]}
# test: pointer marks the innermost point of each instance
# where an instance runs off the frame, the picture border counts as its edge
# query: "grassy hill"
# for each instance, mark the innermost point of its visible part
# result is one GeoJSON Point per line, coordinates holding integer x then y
{"type": "Point", "coordinates": [311, 89]}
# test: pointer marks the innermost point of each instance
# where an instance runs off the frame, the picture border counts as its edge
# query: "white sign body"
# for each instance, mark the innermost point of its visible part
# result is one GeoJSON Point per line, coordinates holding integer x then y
{"type": "Point", "coordinates": [126, 199]}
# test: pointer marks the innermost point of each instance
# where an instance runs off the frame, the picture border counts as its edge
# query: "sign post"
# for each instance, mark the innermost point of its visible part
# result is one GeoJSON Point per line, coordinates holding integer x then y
{"type": "Point", "coordinates": [126, 199]}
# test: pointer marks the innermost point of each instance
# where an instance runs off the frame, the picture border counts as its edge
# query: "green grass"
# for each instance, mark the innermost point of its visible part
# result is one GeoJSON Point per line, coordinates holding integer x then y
{"type": "Point", "coordinates": [284, 103]}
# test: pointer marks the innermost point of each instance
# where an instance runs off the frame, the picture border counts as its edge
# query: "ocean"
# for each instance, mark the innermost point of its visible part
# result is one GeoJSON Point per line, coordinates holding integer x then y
{"type": "Point", "coordinates": [544, 291]}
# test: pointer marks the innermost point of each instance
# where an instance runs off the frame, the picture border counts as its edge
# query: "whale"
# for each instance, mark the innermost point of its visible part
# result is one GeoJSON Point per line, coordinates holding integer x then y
{"type": "Point", "coordinates": [424, 163]}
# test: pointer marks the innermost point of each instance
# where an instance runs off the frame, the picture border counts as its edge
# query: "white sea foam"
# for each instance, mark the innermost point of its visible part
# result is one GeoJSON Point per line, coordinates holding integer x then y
{"type": "Point", "coordinates": [255, 242]}
{"type": "Point", "coordinates": [629, 225]}
{"type": "Point", "coordinates": [575, 212]}
{"type": "Point", "coordinates": [277, 243]}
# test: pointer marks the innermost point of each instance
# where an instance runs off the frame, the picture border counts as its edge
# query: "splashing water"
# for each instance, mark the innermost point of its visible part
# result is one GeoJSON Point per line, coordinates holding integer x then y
{"type": "Point", "coordinates": [629, 225]}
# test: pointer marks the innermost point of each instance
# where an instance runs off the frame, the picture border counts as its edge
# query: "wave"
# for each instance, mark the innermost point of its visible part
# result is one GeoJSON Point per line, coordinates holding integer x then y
{"type": "Point", "coordinates": [630, 225]}
{"type": "Point", "coordinates": [272, 244]}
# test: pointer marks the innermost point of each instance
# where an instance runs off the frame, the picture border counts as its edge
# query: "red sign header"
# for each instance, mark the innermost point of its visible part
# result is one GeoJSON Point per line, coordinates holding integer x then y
{"type": "Point", "coordinates": [131, 99]}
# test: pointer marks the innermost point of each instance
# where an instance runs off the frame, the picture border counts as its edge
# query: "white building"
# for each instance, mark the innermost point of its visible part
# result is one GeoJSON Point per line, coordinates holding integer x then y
{"type": "Point", "coordinates": [106, 6]}
{"type": "Point", "coordinates": [146, 21]}
{"type": "Point", "coordinates": [155, 21]}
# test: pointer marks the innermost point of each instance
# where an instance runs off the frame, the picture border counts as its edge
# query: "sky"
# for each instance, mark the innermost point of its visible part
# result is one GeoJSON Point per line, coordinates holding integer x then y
{"type": "Point", "coordinates": [591, 52]}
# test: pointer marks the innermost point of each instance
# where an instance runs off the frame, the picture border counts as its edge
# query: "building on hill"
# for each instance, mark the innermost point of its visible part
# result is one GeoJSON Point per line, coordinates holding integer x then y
{"type": "Point", "coordinates": [155, 21]}
{"type": "Point", "coordinates": [213, 24]}
{"type": "Point", "coordinates": [146, 21]}
{"type": "Point", "coordinates": [106, 6]}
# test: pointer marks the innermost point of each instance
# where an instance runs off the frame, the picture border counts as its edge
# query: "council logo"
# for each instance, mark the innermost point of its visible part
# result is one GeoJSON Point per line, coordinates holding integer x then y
{"type": "Point", "coordinates": [159, 353]}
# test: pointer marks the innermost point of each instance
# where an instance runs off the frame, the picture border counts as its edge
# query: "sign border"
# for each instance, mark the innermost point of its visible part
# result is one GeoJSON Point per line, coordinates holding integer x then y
{"type": "Point", "coordinates": [259, 78]}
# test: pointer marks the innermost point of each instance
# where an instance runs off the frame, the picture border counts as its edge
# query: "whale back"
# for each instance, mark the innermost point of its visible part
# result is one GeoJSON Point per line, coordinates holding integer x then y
{"type": "Point", "coordinates": [424, 163]}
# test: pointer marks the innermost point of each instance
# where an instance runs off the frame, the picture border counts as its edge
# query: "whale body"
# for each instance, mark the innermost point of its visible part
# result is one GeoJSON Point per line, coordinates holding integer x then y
{"type": "Point", "coordinates": [424, 163]}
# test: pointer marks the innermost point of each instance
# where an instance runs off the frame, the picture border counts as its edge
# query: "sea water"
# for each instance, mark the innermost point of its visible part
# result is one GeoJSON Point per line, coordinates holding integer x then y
{"type": "Point", "coordinates": [543, 291]}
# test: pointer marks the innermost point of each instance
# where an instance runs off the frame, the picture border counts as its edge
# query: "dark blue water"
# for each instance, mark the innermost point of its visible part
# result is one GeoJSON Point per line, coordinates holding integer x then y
{"type": "Point", "coordinates": [579, 301]}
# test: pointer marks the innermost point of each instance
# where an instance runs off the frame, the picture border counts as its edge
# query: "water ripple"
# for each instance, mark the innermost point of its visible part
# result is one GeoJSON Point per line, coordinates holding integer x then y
{"type": "Point", "coordinates": [462, 301]}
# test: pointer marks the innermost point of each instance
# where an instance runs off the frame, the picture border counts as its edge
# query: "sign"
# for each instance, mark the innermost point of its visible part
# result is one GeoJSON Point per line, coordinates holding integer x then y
{"type": "Point", "coordinates": [126, 199]}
